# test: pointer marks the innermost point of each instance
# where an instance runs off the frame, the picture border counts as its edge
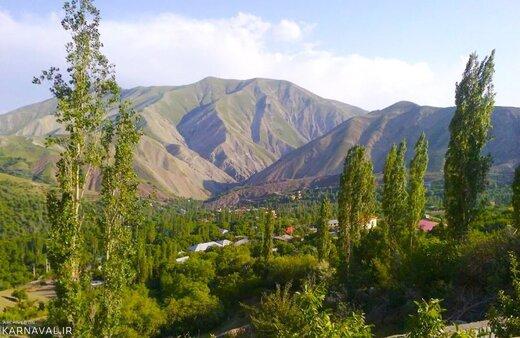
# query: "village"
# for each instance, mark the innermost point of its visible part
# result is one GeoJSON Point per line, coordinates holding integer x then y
{"type": "Point", "coordinates": [426, 225]}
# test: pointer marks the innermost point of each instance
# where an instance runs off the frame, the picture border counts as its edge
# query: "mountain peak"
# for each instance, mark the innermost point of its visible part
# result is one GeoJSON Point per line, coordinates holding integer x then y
{"type": "Point", "coordinates": [200, 136]}
{"type": "Point", "coordinates": [402, 105]}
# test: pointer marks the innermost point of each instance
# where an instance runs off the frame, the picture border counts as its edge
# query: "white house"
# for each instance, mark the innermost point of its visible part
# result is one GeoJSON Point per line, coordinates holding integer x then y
{"type": "Point", "coordinates": [96, 283]}
{"type": "Point", "coordinates": [182, 259]}
{"type": "Point", "coordinates": [372, 223]}
{"type": "Point", "coordinates": [333, 223]}
{"type": "Point", "coordinates": [203, 246]}
{"type": "Point", "coordinates": [223, 231]}
{"type": "Point", "coordinates": [207, 245]}
{"type": "Point", "coordinates": [284, 238]}
{"type": "Point", "coordinates": [224, 242]}
{"type": "Point", "coordinates": [241, 241]}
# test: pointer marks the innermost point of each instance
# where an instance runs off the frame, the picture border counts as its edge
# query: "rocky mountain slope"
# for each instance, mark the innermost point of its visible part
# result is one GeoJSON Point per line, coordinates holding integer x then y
{"type": "Point", "coordinates": [380, 129]}
{"type": "Point", "coordinates": [202, 136]}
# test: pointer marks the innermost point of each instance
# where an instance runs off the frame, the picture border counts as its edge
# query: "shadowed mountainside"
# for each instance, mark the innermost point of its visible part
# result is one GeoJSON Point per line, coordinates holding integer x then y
{"type": "Point", "coordinates": [380, 129]}
{"type": "Point", "coordinates": [201, 137]}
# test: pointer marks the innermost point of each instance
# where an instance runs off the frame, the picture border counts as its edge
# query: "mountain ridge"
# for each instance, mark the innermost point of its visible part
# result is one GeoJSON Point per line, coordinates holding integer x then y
{"type": "Point", "coordinates": [379, 129]}
{"type": "Point", "coordinates": [205, 135]}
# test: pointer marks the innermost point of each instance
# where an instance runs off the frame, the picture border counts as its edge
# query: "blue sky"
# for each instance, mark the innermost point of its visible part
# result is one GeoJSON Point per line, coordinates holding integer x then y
{"type": "Point", "coordinates": [367, 53]}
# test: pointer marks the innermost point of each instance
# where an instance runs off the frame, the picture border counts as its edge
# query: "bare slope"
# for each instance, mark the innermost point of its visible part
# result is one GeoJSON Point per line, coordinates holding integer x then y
{"type": "Point", "coordinates": [380, 129]}
{"type": "Point", "coordinates": [202, 136]}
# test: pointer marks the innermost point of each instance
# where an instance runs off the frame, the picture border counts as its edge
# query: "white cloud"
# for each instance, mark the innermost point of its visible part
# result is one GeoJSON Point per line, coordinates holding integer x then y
{"type": "Point", "coordinates": [170, 50]}
{"type": "Point", "coordinates": [288, 30]}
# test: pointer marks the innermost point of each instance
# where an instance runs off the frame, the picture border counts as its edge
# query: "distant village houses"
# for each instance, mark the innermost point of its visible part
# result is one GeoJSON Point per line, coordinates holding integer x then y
{"type": "Point", "coordinates": [427, 225]}
{"type": "Point", "coordinates": [201, 247]}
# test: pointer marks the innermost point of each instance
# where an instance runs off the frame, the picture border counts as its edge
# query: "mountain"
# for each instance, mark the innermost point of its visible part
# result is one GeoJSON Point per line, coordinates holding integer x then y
{"type": "Point", "coordinates": [380, 129]}
{"type": "Point", "coordinates": [200, 137]}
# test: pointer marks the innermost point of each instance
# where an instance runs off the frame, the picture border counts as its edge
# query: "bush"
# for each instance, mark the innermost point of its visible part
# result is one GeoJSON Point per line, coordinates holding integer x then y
{"type": "Point", "coordinates": [505, 315]}
{"type": "Point", "coordinates": [141, 315]}
{"type": "Point", "coordinates": [428, 321]}
{"type": "Point", "coordinates": [302, 314]}
{"type": "Point", "coordinates": [284, 269]}
{"type": "Point", "coordinates": [20, 294]}
{"type": "Point", "coordinates": [195, 312]}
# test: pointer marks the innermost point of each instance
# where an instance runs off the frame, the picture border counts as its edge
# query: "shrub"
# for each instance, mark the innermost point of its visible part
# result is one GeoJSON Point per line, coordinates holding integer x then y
{"type": "Point", "coordinates": [20, 294]}
{"type": "Point", "coordinates": [505, 315]}
{"type": "Point", "coordinates": [283, 269]}
{"type": "Point", "coordinates": [302, 314]}
{"type": "Point", "coordinates": [428, 321]}
{"type": "Point", "coordinates": [141, 315]}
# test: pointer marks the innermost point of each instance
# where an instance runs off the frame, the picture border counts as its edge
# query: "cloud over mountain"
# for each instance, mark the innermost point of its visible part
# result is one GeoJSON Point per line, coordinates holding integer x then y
{"type": "Point", "coordinates": [174, 49]}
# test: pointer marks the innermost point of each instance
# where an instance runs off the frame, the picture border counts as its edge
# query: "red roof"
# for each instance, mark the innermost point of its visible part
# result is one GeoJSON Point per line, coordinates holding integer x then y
{"type": "Point", "coordinates": [289, 230]}
{"type": "Point", "coordinates": [426, 225]}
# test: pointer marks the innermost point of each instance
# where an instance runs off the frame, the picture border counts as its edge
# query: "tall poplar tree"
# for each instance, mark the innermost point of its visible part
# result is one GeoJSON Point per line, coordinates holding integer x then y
{"type": "Point", "coordinates": [416, 188]}
{"type": "Point", "coordinates": [356, 202]}
{"type": "Point", "coordinates": [83, 97]}
{"type": "Point", "coordinates": [267, 245]}
{"type": "Point", "coordinates": [119, 219]}
{"type": "Point", "coordinates": [388, 173]}
{"type": "Point", "coordinates": [465, 168]}
{"type": "Point", "coordinates": [516, 198]}
{"type": "Point", "coordinates": [395, 195]}
{"type": "Point", "coordinates": [323, 234]}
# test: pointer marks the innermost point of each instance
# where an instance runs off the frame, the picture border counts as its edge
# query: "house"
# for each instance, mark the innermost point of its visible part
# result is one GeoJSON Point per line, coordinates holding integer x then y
{"type": "Point", "coordinates": [241, 241]}
{"type": "Point", "coordinates": [284, 238]}
{"type": "Point", "coordinates": [296, 196]}
{"type": "Point", "coordinates": [289, 230]}
{"type": "Point", "coordinates": [203, 246]}
{"type": "Point", "coordinates": [182, 259]}
{"type": "Point", "coordinates": [427, 225]}
{"type": "Point", "coordinates": [96, 283]}
{"type": "Point", "coordinates": [372, 223]}
{"type": "Point", "coordinates": [223, 231]}
{"type": "Point", "coordinates": [224, 242]}
{"type": "Point", "coordinates": [333, 223]}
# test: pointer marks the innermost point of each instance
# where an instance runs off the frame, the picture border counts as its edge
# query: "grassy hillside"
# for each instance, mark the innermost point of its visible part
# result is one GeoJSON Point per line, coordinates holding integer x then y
{"type": "Point", "coordinates": [22, 229]}
{"type": "Point", "coordinates": [199, 136]}
{"type": "Point", "coordinates": [28, 158]}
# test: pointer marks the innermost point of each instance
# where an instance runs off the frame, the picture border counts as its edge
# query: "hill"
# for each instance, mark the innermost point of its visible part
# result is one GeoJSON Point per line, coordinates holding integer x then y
{"type": "Point", "coordinates": [209, 134]}
{"type": "Point", "coordinates": [380, 129]}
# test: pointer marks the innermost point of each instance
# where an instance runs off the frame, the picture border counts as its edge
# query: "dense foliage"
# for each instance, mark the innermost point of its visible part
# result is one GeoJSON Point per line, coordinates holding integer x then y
{"type": "Point", "coordinates": [356, 201]}
{"type": "Point", "coordinates": [466, 169]}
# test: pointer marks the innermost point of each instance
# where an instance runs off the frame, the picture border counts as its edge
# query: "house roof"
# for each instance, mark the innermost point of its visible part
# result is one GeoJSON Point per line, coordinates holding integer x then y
{"type": "Point", "coordinates": [283, 237]}
{"type": "Point", "coordinates": [426, 225]}
{"type": "Point", "coordinates": [242, 241]}
{"type": "Point", "coordinates": [182, 259]}
{"type": "Point", "coordinates": [203, 246]}
{"type": "Point", "coordinates": [224, 242]}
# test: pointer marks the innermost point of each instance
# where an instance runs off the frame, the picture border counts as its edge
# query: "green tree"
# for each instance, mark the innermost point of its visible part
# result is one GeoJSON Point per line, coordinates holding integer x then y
{"type": "Point", "coordinates": [20, 294]}
{"type": "Point", "coordinates": [465, 168]}
{"type": "Point", "coordinates": [428, 321]}
{"type": "Point", "coordinates": [302, 314]}
{"type": "Point", "coordinates": [119, 218]}
{"type": "Point", "coordinates": [267, 244]}
{"type": "Point", "coordinates": [395, 195]}
{"type": "Point", "coordinates": [83, 101]}
{"type": "Point", "coordinates": [141, 315]}
{"type": "Point", "coordinates": [356, 201]}
{"type": "Point", "coordinates": [516, 198]}
{"type": "Point", "coordinates": [505, 314]}
{"type": "Point", "coordinates": [416, 188]}
{"type": "Point", "coordinates": [324, 241]}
